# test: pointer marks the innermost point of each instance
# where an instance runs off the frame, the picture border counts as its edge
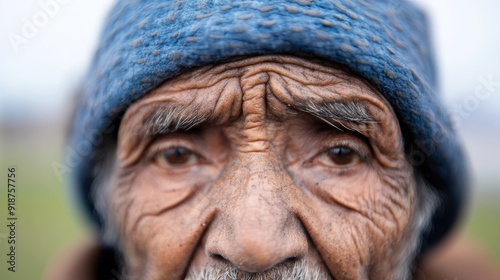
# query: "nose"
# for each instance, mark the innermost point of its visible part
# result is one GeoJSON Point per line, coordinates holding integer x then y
{"type": "Point", "coordinates": [256, 231]}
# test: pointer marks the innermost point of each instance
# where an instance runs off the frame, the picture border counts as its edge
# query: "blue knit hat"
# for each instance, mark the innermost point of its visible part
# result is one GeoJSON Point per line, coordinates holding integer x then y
{"type": "Point", "coordinates": [145, 43]}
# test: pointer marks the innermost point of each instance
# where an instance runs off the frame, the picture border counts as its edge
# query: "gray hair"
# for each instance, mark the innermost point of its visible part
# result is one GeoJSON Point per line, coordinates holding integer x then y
{"type": "Point", "coordinates": [300, 270]}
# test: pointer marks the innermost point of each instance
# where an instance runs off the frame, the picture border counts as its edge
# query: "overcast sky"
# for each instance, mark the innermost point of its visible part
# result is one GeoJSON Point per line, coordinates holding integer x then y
{"type": "Point", "coordinates": [38, 78]}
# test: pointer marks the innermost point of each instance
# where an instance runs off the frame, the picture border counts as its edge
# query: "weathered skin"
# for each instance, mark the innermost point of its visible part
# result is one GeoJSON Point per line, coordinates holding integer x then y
{"type": "Point", "coordinates": [256, 186]}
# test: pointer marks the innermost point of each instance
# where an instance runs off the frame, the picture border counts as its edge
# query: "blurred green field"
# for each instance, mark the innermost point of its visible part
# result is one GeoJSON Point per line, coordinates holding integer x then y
{"type": "Point", "coordinates": [483, 224]}
{"type": "Point", "coordinates": [47, 221]}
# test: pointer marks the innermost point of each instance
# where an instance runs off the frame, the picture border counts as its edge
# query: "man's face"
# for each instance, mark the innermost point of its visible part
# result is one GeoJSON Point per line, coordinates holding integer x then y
{"type": "Point", "coordinates": [260, 164]}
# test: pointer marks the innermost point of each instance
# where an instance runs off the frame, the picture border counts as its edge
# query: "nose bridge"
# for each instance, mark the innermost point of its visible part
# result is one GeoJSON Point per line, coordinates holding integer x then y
{"type": "Point", "coordinates": [261, 207]}
{"type": "Point", "coordinates": [258, 206]}
{"type": "Point", "coordinates": [257, 184]}
{"type": "Point", "coordinates": [257, 230]}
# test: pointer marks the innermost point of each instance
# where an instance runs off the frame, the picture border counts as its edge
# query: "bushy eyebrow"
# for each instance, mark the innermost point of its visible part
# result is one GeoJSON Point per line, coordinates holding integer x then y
{"type": "Point", "coordinates": [345, 113]}
{"type": "Point", "coordinates": [168, 119]}
{"type": "Point", "coordinates": [171, 118]}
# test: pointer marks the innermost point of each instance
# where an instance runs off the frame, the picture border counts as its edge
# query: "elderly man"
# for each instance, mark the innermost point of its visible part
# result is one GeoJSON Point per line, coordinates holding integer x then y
{"type": "Point", "coordinates": [265, 140]}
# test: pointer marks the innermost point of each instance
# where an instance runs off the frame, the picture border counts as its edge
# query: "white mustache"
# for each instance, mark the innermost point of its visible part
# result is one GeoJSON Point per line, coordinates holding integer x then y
{"type": "Point", "coordinates": [298, 271]}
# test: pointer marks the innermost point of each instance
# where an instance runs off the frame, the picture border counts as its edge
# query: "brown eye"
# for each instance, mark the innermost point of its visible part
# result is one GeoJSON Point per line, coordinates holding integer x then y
{"type": "Point", "coordinates": [177, 156]}
{"type": "Point", "coordinates": [342, 156]}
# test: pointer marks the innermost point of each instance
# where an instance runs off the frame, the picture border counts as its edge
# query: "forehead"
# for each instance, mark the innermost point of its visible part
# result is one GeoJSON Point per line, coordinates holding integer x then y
{"type": "Point", "coordinates": [283, 86]}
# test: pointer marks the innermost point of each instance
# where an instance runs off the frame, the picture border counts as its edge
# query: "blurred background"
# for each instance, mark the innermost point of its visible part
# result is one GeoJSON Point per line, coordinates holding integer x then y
{"type": "Point", "coordinates": [40, 72]}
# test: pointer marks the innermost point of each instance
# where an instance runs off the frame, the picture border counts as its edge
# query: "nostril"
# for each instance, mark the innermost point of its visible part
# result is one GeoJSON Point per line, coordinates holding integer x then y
{"type": "Point", "coordinates": [289, 262]}
{"type": "Point", "coordinates": [284, 263]}
{"type": "Point", "coordinates": [251, 255]}
{"type": "Point", "coordinates": [218, 257]}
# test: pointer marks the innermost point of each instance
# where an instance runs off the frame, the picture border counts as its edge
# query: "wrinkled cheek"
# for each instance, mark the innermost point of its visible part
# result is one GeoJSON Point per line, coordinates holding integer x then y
{"type": "Point", "coordinates": [160, 246]}
{"type": "Point", "coordinates": [357, 249]}
{"type": "Point", "coordinates": [396, 204]}
{"type": "Point", "coordinates": [171, 240]}
{"type": "Point", "coordinates": [367, 224]}
{"type": "Point", "coordinates": [343, 245]}
{"type": "Point", "coordinates": [160, 250]}
{"type": "Point", "coordinates": [391, 231]}
{"type": "Point", "coordinates": [352, 252]}
{"type": "Point", "coordinates": [152, 229]}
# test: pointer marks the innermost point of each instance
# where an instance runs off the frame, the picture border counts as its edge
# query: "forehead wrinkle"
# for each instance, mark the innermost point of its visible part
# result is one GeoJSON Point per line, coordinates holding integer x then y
{"type": "Point", "coordinates": [200, 79]}
{"type": "Point", "coordinates": [280, 64]}
{"type": "Point", "coordinates": [320, 82]}
{"type": "Point", "coordinates": [304, 74]}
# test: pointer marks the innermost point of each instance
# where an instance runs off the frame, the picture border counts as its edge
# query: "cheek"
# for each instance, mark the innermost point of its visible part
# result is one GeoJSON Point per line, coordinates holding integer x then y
{"type": "Point", "coordinates": [159, 217]}
{"type": "Point", "coordinates": [368, 212]}
{"type": "Point", "coordinates": [383, 197]}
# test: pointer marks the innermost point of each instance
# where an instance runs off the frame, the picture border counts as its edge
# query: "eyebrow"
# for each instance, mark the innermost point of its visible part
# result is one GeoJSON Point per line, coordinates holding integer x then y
{"type": "Point", "coordinates": [340, 112]}
{"type": "Point", "coordinates": [169, 119]}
